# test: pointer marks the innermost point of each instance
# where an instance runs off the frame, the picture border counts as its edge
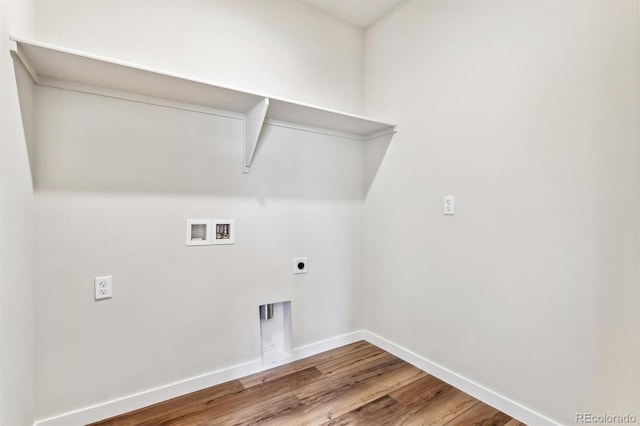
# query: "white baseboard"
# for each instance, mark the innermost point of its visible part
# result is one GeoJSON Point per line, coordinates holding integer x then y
{"type": "Point", "coordinates": [328, 344]}
{"type": "Point", "coordinates": [153, 396]}
{"type": "Point", "coordinates": [485, 395]}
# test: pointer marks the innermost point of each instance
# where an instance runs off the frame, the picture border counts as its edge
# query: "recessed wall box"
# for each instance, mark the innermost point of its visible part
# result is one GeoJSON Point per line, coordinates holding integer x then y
{"type": "Point", "coordinates": [276, 333]}
{"type": "Point", "coordinates": [223, 231]}
{"type": "Point", "coordinates": [198, 232]}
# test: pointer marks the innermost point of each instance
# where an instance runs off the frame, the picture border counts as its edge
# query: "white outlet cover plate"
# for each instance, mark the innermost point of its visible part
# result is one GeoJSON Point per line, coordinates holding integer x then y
{"type": "Point", "coordinates": [296, 261]}
{"type": "Point", "coordinates": [449, 204]}
{"type": "Point", "coordinates": [104, 287]}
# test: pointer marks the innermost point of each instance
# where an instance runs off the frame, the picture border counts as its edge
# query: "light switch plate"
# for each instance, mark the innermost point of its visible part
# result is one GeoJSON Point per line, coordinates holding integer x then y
{"type": "Point", "coordinates": [449, 204]}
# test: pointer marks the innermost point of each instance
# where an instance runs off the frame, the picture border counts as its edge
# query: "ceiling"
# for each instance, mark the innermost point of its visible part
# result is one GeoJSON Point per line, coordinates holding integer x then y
{"type": "Point", "coordinates": [361, 13]}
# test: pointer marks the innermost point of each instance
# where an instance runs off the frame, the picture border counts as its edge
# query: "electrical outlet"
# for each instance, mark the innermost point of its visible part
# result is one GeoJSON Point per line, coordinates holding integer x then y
{"type": "Point", "coordinates": [449, 204]}
{"type": "Point", "coordinates": [104, 287]}
{"type": "Point", "coordinates": [300, 265]}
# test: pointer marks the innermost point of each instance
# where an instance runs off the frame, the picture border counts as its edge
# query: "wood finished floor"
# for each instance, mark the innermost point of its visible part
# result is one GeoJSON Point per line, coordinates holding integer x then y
{"type": "Point", "coordinates": [357, 384]}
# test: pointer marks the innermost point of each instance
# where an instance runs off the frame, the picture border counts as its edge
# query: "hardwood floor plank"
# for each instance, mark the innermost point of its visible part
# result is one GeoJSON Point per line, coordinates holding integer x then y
{"type": "Point", "coordinates": [252, 414]}
{"type": "Point", "coordinates": [355, 351]}
{"type": "Point", "coordinates": [442, 408]}
{"type": "Point", "coordinates": [347, 379]}
{"type": "Point", "coordinates": [480, 415]}
{"type": "Point", "coordinates": [383, 411]}
{"type": "Point", "coordinates": [350, 361]}
{"type": "Point", "coordinates": [420, 391]}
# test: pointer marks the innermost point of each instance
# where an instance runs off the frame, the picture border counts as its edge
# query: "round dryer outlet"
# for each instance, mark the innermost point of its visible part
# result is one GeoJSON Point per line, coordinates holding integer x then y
{"type": "Point", "coordinates": [300, 265]}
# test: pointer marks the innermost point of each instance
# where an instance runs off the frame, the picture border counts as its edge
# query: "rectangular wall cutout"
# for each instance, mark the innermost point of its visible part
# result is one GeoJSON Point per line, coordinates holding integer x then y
{"type": "Point", "coordinates": [198, 232]}
{"type": "Point", "coordinates": [275, 332]}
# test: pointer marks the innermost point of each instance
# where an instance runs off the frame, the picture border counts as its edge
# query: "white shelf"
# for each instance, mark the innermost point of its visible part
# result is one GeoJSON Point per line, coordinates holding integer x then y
{"type": "Point", "coordinates": [51, 65]}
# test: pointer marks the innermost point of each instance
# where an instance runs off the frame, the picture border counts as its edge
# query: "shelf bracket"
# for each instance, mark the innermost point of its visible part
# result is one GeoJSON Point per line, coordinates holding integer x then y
{"type": "Point", "coordinates": [253, 122]}
{"type": "Point", "coordinates": [16, 53]}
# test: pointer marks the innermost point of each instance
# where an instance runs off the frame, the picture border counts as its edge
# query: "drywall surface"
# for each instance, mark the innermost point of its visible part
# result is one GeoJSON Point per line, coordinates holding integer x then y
{"type": "Point", "coordinates": [281, 48]}
{"type": "Point", "coordinates": [17, 362]}
{"type": "Point", "coordinates": [116, 182]}
{"type": "Point", "coordinates": [526, 112]}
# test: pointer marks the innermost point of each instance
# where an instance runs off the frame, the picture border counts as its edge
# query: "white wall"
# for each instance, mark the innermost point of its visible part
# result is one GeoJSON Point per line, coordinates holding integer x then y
{"type": "Point", "coordinates": [282, 48]}
{"type": "Point", "coordinates": [16, 235]}
{"type": "Point", "coordinates": [116, 180]}
{"type": "Point", "coordinates": [526, 112]}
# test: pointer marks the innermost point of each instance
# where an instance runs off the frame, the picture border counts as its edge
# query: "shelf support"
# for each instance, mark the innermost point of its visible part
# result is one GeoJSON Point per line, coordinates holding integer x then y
{"type": "Point", "coordinates": [16, 53]}
{"type": "Point", "coordinates": [374, 151]}
{"type": "Point", "coordinates": [253, 122]}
